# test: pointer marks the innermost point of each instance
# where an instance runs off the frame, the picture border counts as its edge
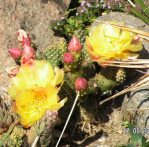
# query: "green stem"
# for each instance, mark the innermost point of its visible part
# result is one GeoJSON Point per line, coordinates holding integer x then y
{"type": "Point", "coordinates": [144, 7]}
{"type": "Point", "coordinates": [141, 16]}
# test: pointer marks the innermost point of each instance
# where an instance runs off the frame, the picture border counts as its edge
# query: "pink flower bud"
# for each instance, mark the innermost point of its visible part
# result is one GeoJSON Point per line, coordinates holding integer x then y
{"type": "Point", "coordinates": [81, 84]}
{"type": "Point", "coordinates": [74, 45]}
{"type": "Point", "coordinates": [15, 53]}
{"type": "Point", "coordinates": [26, 41]}
{"type": "Point", "coordinates": [136, 40]}
{"type": "Point", "coordinates": [23, 37]}
{"type": "Point", "coordinates": [68, 58]}
{"type": "Point", "coordinates": [28, 51]}
{"type": "Point", "coordinates": [28, 55]}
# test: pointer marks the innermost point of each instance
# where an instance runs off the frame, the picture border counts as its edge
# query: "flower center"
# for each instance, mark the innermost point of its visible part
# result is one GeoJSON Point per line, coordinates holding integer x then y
{"type": "Point", "coordinates": [39, 100]}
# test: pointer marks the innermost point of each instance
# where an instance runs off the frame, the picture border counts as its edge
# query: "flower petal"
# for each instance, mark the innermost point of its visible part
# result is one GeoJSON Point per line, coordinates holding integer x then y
{"type": "Point", "coordinates": [109, 42]}
{"type": "Point", "coordinates": [59, 75]}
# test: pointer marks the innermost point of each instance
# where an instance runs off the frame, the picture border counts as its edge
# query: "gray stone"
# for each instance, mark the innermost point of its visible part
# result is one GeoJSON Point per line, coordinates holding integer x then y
{"type": "Point", "coordinates": [136, 108]}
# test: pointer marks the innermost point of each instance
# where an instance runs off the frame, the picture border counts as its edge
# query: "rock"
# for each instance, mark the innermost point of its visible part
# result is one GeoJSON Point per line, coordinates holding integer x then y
{"type": "Point", "coordinates": [135, 108]}
{"type": "Point", "coordinates": [123, 17]}
{"type": "Point", "coordinates": [35, 17]}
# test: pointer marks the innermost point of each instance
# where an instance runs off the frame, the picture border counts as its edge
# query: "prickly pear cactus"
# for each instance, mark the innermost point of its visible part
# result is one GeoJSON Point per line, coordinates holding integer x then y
{"type": "Point", "coordinates": [55, 52]}
{"type": "Point", "coordinates": [108, 78]}
{"type": "Point", "coordinates": [85, 55]}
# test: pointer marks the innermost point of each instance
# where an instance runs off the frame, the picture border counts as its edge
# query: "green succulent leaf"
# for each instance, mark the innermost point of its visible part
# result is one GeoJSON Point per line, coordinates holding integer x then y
{"type": "Point", "coordinates": [136, 139]}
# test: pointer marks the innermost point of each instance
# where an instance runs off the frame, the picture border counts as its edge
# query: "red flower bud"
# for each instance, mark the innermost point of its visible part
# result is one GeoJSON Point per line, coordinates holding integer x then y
{"type": "Point", "coordinates": [28, 55]}
{"type": "Point", "coordinates": [74, 45]}
{"type": "Point", "coordinates": [68, 58]}
{"type": "Point", "coordinates": [81, 84]}
{"type": "Point", "coordinates": [15, 53]}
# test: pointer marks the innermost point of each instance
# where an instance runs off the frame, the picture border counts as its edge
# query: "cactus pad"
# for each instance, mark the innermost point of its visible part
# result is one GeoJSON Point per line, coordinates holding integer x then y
{"type": "Point", "coordinates": [55, 52]}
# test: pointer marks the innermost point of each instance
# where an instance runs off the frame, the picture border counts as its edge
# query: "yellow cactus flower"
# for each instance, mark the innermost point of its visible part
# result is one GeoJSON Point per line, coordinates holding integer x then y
{"type": "Point", "coordinates": [106, 42]}
{"type": "Point", "coordinates": [35, 90]}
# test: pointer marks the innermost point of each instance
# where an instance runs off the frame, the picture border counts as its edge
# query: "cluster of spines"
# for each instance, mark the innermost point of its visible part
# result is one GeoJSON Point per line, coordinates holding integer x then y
{"type": "Point", "coordinates": [120, 75]}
